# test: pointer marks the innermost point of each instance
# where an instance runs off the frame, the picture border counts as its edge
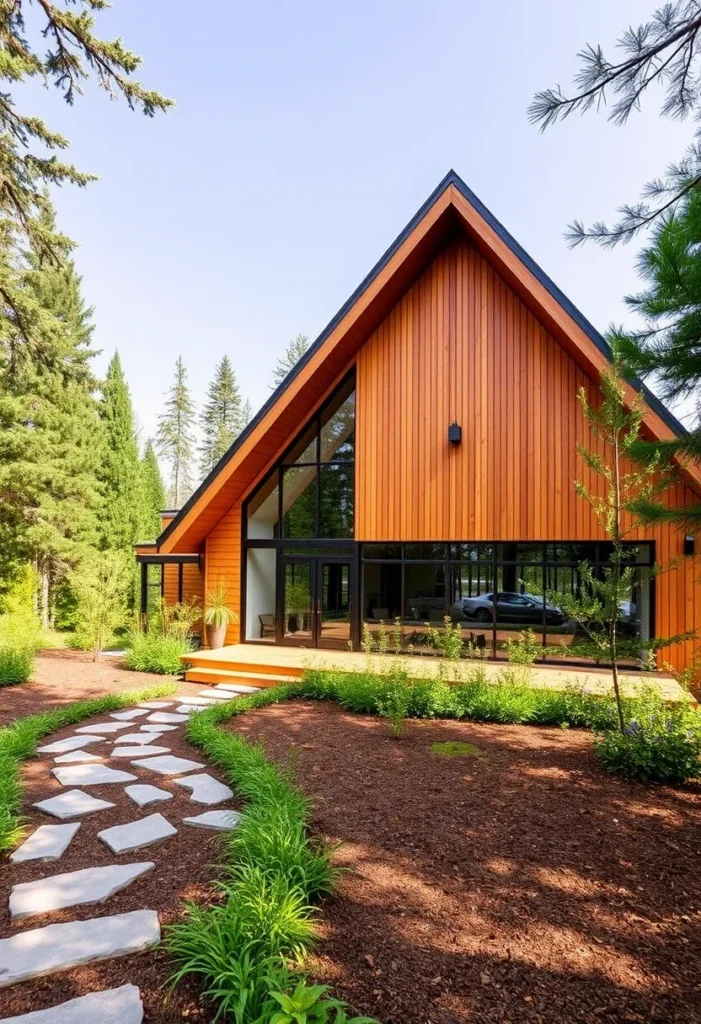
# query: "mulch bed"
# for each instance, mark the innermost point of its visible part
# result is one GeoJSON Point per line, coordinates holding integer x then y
{"type": "Point", "coordinates": [519, 885]}
{"type": "Point", "coordinates": [184, 863]}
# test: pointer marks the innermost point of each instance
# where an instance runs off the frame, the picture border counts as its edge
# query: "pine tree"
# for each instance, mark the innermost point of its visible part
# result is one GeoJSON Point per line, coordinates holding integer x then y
{"type": "Point", "coordinates": [222, 419]}
{"type": "Point", "coordinates": [296, 348]}
{"type": "Point", "coordinates": [119, 470]}
{"type": "Point", "coordinates": [247, 413]}
{"type": "Point", "coordinates": [154, 494]}
{"type": "Point", "coordinates": [174, 440]}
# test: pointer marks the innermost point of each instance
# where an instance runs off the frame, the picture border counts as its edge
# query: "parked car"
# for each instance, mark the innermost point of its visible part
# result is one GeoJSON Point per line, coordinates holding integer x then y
{"type": "Point", "coordinates": [511, 607]}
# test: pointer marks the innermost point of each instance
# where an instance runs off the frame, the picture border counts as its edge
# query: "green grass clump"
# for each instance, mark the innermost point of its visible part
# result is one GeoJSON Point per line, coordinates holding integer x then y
{"type": "Point", "coordinates": [19, 740]}
{"type": "Point", "coordinates": [19, 642]}
{"type": "Point", "coordinates": [156, 652]}
{"type": "Point", "coordinates": [452, 748]}
{"type": "Point", "coordinates": [273, 870]}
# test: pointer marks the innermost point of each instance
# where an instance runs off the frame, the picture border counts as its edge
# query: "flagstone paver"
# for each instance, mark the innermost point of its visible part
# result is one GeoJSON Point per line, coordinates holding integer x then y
{"type": "Point", "coordinates": [156, 703]}
{"type": "Point", "coordinates": [135, 834]}
{"type": "Point", "coordinates": [143, 795]}
{"type": "Point", "coordinates": [168, 764]}
{"type": "Point", "coordinates": [58, 947]}
{"type": "Point", "coordinates": [76, 756]}
{"type": "Point", "coordinates": [105, 727]}
{"type": "Point", "coordinates": [127, 716]}
{"type": "Point", "coordinates": [69, 743]}
{"type": "Point", "coordinates": [205, 789]}
{"type": "Point", "coordinates": [73, 889]}
{"type": "Point", "coordinates": [113, 1006]}
{"type": "Point", "coordinates": [72, 804]}
{"type": "Point", "coordinates": [203, 701]}
{"type": "Point", "coordinates": [238, 687]}
{"type": "Point", "coordinates": [137, 737]}
{"type": "Point", "coordinates": [167, 718]}
{"type": "Point", "coordinates": [224, 695]}
{"type": "Point", "coordinates": [220, 821]}
{"type": "Point", "coordinates": [159, 729]}
{"type": "Point", "coordinates": [139, 750]}
{"type": "Point", "coordinates": [90, 775]}
{"type": "Point", "coordinates": [48, 842]}
{"type": "Point", "coordinates": [187, 709]}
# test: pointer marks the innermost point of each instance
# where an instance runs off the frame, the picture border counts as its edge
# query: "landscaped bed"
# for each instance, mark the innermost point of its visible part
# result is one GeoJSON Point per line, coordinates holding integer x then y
{"type": "Point", "coordinates": [518, 883]}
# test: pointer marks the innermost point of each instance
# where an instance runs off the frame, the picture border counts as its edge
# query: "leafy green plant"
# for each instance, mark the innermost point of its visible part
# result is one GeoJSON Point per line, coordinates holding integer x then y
{"type": "Point", "coordinates": [101, 585]}
{"type": "Point", "coordinates": [217, 612]}
{"type": "Point", "coordinates": [525, 649]}
{"type": "Point", "coordinates": [661, 742]}
{"type": "Point", "coordinates": [449, 639]}
{"type": "Point", "coordinates": [453, 748]}
{"type": "Point", "coordinates": [393, 700]}
{"type": "Point", "coordinates": [19, 741]}
{"type": "Point", "coordinates": [20, 635]}
{"type": "Point", "coordinates": [154, 651]}
{"type": "Point", "coordinates": [311, 1004]}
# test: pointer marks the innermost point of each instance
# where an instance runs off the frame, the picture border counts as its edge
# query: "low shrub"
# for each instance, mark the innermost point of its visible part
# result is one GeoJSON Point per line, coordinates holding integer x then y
{"type": "Point", "coordinates": [241, 945]}
{"type": "Point", "coordinates": [156, 652]}
{"type": "Point", "coordinates": [661, 742]}
{"type": "Point", "coordinates": [19, 642]}
{"type": "Point", "coordinates": [19, 741]}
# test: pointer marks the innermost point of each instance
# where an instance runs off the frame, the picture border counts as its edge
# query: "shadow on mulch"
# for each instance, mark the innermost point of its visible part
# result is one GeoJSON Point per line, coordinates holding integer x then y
{"type": "Point", "coordinates": [522, 885]}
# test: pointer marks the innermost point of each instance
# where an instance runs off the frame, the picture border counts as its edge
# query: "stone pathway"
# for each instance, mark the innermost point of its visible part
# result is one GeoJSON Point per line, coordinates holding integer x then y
{"type": "Point", "coordinates": [81, 760]}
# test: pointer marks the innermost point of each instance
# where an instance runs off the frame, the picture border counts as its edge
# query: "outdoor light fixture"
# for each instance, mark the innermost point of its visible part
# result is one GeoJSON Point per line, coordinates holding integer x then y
{"type": "Point", "coordinates": [689, 540]}
{"type": "Point", "coordinates": [455, 433]}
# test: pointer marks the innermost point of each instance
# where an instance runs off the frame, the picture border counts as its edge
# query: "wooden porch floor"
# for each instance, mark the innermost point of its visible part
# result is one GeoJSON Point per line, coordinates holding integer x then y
{"type": "Point", "coordinates": [268, 664]}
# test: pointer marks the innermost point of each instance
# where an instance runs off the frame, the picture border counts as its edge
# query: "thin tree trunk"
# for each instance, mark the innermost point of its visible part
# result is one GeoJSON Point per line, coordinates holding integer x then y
{"type": "Point", "coordinates": [617, 580]}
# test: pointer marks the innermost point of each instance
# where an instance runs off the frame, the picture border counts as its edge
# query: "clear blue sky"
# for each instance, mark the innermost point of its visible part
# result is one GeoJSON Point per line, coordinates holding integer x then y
{"type": "Point", "coordinates": [306, 135]}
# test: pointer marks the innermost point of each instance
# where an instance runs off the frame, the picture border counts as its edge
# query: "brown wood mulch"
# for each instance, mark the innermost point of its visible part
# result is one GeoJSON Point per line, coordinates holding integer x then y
{"type": "Point", "coordinates": [519, 885]}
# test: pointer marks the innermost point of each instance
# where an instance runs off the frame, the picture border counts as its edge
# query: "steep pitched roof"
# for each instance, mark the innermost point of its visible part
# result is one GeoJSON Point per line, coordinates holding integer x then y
{"type": "Point", "coordinates": [451, 206]}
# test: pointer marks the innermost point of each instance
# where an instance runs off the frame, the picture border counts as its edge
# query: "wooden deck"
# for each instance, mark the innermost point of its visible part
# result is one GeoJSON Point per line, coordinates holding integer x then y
{"type": "Point", "coordinates": [269, 664]}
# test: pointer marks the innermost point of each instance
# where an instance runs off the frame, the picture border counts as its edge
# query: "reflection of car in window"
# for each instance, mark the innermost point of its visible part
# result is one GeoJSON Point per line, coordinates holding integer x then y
{"type": "Point", "coordinates": [510, 607]}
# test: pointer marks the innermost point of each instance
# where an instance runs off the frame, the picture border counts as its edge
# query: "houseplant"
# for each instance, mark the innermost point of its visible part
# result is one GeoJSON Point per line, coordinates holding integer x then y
{"type": "Point", "coordinates": [217, 616]}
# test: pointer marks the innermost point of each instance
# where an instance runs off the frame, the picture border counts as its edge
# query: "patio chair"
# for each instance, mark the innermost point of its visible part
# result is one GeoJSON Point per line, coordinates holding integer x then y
{"type": "Point", "coordinates": [267, 625]}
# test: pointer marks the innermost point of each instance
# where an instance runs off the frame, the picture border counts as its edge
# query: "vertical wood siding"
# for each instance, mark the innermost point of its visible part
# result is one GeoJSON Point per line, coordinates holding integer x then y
{"type": "Point", "coordinates": [223, 564]}
{"type": "Point", "coordinates": [461, 346]}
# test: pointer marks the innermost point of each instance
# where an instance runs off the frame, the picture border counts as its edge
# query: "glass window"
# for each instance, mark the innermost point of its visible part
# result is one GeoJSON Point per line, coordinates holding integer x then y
{"type": "Point", "coordinates": [382, 595]}
{"type": "Point", "coordinates": [304, 449]}
{"type": "Point", "coordinates": [299, 501]}
{"type": "Point", "coordinates": [297, 621]}
{"type": "Point", "coordinates": [424, 600]}
{"type": "Point", "coordinates": [425, 551]}
{"type": "Point", "coordinates": [573, 553]}
{"type": "Point", "coordinates": [519, 552]}
{"type": "Point", "coordinates": [338, 428]}
{"type": "Point", "coordinates": [471, 552]}
{"type": "Point", "coordinates": [336, 505]}
{"type": "Point", "coordinates": [382, 550]}
{"type": "Point", "coordinates": [263, 511]}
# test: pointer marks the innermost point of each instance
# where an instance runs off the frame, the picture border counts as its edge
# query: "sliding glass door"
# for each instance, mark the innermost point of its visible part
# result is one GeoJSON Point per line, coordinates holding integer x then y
{"type": "Point", "coordinates": [316, 601]}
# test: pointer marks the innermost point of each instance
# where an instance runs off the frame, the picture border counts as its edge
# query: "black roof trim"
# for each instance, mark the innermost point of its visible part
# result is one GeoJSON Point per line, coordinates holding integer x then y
{"type": "Point", "coordinates": [451, 178]}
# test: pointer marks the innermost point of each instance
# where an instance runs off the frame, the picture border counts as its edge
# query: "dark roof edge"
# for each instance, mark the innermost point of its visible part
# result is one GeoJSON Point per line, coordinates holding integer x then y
{"type": "Point", "coordinates": [451, 178]}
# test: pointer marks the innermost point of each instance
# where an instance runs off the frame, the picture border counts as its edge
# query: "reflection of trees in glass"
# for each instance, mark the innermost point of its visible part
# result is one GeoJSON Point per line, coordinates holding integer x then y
{"type": "Point", "coordinates": [299, 502]}
{"type": "Point", "coordinates": [336, 505]}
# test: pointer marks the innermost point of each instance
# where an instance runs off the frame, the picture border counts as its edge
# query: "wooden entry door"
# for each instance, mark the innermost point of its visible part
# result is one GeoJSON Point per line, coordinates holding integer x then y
{"type": "Point", "coordinates": [316, 601]}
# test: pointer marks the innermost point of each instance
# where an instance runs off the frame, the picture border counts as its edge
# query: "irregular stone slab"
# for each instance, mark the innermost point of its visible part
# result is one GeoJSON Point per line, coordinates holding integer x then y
{"type": "Point", "coordinates": [204, 701]}
{"type": "Point", "coordinates": [139, 750]}
{"type": "Point", "coordinates": [143, 795]}
{"type": "Point", "coordinates": [103, 727]}
{"type": "Point", "coordinates": [76, 756]}
{"type": "Point", "coordinates": [135, 834]}
{"type": "Point", "coordinates": [205, 789]}
{"type": "Point", "coordinates": [168, 764]}
{"type": "Point", "coordinates": [238, 687]}
{"type": "Point", "coordinates": [137, 737]}
{"type": "Point", "coordinates": [69, 743]}
{"type": "Point", "coordinates": [90, 775]}
{"type": "Point", "coordinates": [167, 717]}
{"type": "Point", "coordinates": [113, 1006]}
{"type": "Point", "coordinates": [223, 695]}
{"type": "Point", "coordinates": [127, 716]}
{"type": "Point", "coordinates": [156, 703]}
{"type": "Point", "coordinates": [72, 804]}
{"type": "Point", "coordinates": [187, 709]}
{"type": "Point", "coordinates": [48, 842]}
{"type": "Point", "coordinates": [220, 821]}
{"type": "Point", "coordinates": [73, 889]}
{"type": "Point", "coordinates": [157, 729]}
{"type": "Point", "coordinates": [58, 947]}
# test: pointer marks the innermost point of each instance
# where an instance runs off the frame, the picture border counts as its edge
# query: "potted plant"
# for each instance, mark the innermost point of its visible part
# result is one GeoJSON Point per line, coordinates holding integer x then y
{"type": "Point", "coordinates": [297, 605]}
{"type": "Point", "coordinates": [217, 616]}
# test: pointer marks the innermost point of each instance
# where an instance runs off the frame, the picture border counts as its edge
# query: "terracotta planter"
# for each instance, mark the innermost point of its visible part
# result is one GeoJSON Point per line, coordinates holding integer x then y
{"type": "Point", "coordinates": [216, 635]}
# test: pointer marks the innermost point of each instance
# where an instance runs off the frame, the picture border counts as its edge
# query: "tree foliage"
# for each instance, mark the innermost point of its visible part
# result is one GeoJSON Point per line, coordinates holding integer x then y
{"type": "Point", "coordinates": [661, 53]}
{"type": "Point", "coordinates": [101, 584]}
{"type": "Point", "coordinates": [296, 347]}
{"type": "Point", "coordinates": [154, 494]}
{"type": "Point", "coordinates": [119, 470]}
{"type": "Point", "coordinates": [175, 439]}
{"type": "Point", "coordinates": [222, 418]}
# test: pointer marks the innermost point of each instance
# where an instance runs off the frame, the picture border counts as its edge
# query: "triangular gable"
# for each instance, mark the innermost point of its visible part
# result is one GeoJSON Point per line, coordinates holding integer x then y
{"type": "Point", "coordinates": [452, 205]}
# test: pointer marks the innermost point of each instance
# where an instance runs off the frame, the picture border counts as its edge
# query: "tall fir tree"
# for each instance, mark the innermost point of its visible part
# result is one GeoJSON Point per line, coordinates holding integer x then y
{"type": "Point", "coordinates": [154, 493]}
{"type": "Point", "coordinates": [175, 441]}
{"type": "Point", "coordinates": [296, 348]}
{"type": "Point", "coordinates": [119, 470]}
{"type": "Point", "coordinates": [222, 418]}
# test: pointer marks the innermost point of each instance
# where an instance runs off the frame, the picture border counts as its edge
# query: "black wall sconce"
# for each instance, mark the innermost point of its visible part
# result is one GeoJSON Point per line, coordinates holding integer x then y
{"type": "Point", "coordinates": [689, 544]}
{"type": "Point", "coordinates": [455, 433]}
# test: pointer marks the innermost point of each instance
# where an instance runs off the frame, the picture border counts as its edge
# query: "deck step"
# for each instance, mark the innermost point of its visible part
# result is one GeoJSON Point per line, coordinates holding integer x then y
{"type": "Point", "coordinates": [213, 676]}
{"type": "Point", "coordinates": [243, 670]}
